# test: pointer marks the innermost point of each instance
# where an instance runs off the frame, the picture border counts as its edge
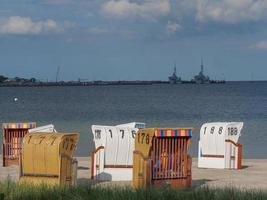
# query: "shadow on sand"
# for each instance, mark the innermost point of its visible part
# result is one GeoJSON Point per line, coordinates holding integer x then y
{"type": "Point", "coordinates": [100, 178]}
{"type": "Point", "coordinates": [199, 182]}
{"type": "Point", "coordinates": [85, 181]}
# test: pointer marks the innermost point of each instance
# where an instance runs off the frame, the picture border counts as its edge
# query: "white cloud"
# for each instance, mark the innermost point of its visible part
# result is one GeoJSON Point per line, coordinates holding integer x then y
{"type": "Point", "coordinates": [25, 25]}
{"type": "Point", "coordinates": [173, 27]}
{"type": "Point", "coordinates": [262, 45]}
{"type": "Point", "coordinates": [118, 32]}
{"type": "Point", "coordinates": [230, 11]}
{"type": "Point", "coordinates": [148, 9]}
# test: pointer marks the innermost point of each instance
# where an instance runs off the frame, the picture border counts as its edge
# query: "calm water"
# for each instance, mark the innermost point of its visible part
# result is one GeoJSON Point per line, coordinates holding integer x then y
{"type": "Point", "coordinates": [77, 108]}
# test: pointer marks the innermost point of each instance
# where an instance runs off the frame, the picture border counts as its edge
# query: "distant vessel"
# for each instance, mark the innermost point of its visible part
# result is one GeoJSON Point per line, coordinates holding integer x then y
{"type": "Point", "coordinates": [201, 78]}
{"type": "Point", "coordinates": [174, 79]}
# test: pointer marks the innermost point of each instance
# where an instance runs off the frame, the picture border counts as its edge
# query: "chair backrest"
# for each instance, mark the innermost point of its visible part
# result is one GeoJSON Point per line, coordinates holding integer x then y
{"type": "Point", "coordinates": [13, 134]}
{"type": "Point", "coordinates": [118, 142]}
{"type": "Point", "coordinates": [47, 158]}
{"type": "Point", "coordinates": [161, 157]}
{"type": "Point", "coordinates": [47, 128]}
{"type": "Point", "coordinates": [213, 136]}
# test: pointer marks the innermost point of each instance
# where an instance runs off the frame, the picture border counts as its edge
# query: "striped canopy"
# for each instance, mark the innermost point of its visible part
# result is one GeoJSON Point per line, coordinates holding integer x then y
{"type": "Point", "coordinates": [179, 132]}
{"type": "Point", "coordinates": [27, 125]}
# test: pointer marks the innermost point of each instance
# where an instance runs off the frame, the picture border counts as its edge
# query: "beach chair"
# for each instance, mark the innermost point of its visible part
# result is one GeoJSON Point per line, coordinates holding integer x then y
{"type": "Point", "coordinates": [47, 128]}
{"type": "Point", "coordinates": [112, 158]}
{"type": "Point", "coordinates": [218, 145]}
{"type": "Point", "coordinates": [161, 158]}
{"type": "Point", "coordinates": [13, 134]}
{"type": "Point", "coordinates": [47, 158]}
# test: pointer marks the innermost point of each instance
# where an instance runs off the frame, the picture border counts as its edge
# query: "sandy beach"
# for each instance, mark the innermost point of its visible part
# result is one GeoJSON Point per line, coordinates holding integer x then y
{"type": "Point", "coordinates": [253, 175]}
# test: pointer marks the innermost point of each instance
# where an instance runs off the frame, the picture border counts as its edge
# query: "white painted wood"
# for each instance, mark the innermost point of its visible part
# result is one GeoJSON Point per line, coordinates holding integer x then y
{"type": "Point", "coordinates": [47, 128]}
{"type": "Point", "coordinates": [213, 143]}
{"type": "Point", "coordinates": [118, 143]}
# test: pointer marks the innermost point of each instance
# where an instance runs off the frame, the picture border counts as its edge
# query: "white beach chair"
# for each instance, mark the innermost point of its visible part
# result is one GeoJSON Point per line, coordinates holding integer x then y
{"type": "Point", "coordinates": [112, 159]}
{"type": "Point", "coordinates": [218, 145]}
{"type": "Point", "coordinates": [48, 128]}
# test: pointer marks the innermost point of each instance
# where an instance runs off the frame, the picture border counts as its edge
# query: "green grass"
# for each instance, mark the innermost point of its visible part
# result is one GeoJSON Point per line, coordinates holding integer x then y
{"type": "Point", "coordinates": [10, 190]}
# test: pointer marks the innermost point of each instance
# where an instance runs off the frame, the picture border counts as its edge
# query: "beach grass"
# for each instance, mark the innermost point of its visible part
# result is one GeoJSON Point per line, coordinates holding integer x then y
{"type": "Point", "coordinates": [10, 190]}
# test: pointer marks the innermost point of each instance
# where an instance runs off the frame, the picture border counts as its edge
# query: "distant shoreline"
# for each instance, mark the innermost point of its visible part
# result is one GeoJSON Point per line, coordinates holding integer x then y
{"type": "Point", "coordinates": [110, 83]}
{"type": "Point", "coordinates": [76, 83]}
{"type": "Point", "coordinates": [95, 83]}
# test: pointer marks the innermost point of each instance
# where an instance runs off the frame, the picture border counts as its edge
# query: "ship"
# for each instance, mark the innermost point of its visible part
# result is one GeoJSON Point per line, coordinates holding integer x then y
{"type": "Point", "coordinates": [201, 78]}
{"type": "Point", "coordinates": [174, 79]}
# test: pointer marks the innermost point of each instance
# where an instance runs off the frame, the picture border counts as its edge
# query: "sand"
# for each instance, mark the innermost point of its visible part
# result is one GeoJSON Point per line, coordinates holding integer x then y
{"type": "Point", "coordinates": [253, 175]}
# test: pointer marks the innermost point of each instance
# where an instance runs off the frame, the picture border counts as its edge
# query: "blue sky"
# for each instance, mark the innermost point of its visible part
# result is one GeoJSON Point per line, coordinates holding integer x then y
{"type": "Point", "coordinates": [133, 39]}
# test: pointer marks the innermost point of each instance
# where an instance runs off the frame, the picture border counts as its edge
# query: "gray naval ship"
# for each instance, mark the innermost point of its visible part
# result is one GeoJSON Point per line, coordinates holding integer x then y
{"type": "Point", "coordinates": [201, 78]}
{"type": "Point", "coordinates": [174, 79]}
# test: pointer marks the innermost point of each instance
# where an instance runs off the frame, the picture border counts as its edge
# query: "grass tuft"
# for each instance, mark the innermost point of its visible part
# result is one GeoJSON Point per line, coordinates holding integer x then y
{"type": "Point", "coordinates": [10, 191]}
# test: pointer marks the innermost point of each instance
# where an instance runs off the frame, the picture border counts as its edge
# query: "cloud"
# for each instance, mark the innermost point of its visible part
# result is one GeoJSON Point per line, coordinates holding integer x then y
{"type": "Point", "coordinates": [146, 9]}
{"type": "Point", "coordinates": [25, 25]}
{"type": "Point", "coordinates": [262, 45]}
{"type": "Point", "coordinates": [231, 11]}
{"type": "Point", "coordinates": [127, 34]}
{"type": "Point", "coordinates": [173, 27]}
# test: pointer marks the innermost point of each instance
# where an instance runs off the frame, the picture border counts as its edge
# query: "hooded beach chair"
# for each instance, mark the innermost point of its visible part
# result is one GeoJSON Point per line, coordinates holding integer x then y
{"type": "Point", "coordinates": [47, 158]}
{"type": "Point", "coordinates": [112, 159]}
{"type": "Point", "coordinates": [161, 158]}
{"type": "Point", "coordinates": [218, 145]}
{"type": "Point", "coordinates": [13, 134]}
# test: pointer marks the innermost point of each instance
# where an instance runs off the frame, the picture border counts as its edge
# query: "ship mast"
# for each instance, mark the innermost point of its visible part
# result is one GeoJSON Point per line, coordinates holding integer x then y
{"type": "Point", "coordinates": [202, 66]}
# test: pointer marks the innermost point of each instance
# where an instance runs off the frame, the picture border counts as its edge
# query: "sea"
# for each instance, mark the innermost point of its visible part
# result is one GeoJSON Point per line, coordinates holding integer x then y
{"type": "Point", "coordinates": [76, 109]}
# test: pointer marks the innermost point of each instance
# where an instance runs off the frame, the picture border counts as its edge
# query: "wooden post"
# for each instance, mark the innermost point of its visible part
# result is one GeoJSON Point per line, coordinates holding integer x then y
{"type": "Point", "coordinates": [189, 171]}
{"type": "Point", "coordinates": [4, 154]}
{"type": "Point", "coordinates": [239, 159]}
{"type": "Point", "coordinates": [92, 165]}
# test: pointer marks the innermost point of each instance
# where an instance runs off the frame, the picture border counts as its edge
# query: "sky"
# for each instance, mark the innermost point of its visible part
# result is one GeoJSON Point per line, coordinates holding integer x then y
{"type": "Point", "coordinates": [133, 39]}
